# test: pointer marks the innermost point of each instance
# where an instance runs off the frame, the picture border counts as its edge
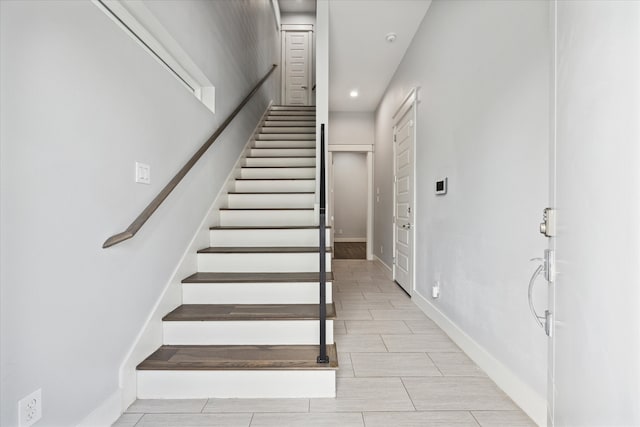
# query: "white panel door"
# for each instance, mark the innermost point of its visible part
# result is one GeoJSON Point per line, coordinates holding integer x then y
{"type": "Point", "coordinates": [297, 67]}
{"type": "Point", "coordinates": [595, 376]}
{"type": "Point", "coordinates": [403, 197]}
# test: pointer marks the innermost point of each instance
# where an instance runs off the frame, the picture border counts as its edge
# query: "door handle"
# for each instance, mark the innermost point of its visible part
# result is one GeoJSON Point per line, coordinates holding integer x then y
{"type": "Point", "coordinates": [532, 282]}
{"type": "Point", "coordinates": [303, 87]}
{"type": "Point", "coordinates": [406, 226]}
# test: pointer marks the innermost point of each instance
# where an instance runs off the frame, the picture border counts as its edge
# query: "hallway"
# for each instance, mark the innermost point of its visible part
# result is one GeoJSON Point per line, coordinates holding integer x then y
{"type": "Point", "coordinates": [397, 368]}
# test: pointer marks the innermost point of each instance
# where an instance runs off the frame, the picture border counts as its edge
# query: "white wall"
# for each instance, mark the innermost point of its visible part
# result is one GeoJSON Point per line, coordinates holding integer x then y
{"type": "Point", "coordinates": [351, 128]}
{"type": "Point", "coordinates": [80, 102]}
{"type": "Point", "coordinates": [483, 70]}
{"type": "Point", "coordinates": [298, 18]}
{"type": "Point", "coordinates": [350, 195]}
{"type": "Point", "coordinates": [597, 307]}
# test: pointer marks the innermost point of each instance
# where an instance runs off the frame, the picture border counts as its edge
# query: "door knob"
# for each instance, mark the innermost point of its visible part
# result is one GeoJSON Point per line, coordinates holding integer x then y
{"type": "Point", "coordinates": [303, 87]}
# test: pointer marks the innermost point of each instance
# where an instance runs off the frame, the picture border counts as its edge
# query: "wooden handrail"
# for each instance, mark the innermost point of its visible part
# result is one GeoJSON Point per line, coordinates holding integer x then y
{"type": "Point", "coordinates": [157, 201]}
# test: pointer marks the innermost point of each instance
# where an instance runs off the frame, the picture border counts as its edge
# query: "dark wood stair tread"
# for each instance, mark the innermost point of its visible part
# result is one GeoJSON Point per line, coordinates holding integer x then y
{"type": "Point", "coordinates": [274, 192]}
{"type": "Point", "coordinates": [208, 277]}
{"type": "Point", "coordinates": [277, 167]}
{"type": "Point", "coordinates": [238, 357]}
{"type": "Point", "coordinates": [232, 312]}
{"type": "Point", "coordinates": [261, 250]}
{"type": "Point", "coordinates": [275, 179]}
{"type": "Point", "coordinates": [266, 227]}
{"type": "Point", "coordinates": [282, 157]}
{"type": "Point", "coordinates": [266, 209]}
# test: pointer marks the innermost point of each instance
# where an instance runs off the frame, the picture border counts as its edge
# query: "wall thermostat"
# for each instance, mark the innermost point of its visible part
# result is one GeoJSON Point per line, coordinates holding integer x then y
{"type": "Point", "coordinates": [441, 186]}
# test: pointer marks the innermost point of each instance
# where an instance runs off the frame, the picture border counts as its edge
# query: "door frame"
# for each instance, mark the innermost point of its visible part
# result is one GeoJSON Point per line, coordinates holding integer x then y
{"type": "Point", "coordinates": [296, 28]}
{"type": "Point", "coordinates": [354, 148]}
{"type": "Point", "coordinates": [410, 101]}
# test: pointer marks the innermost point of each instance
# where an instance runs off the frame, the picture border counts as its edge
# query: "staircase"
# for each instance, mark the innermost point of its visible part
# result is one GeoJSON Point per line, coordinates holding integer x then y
{"type": "Point", "coordinates": [248, 324]}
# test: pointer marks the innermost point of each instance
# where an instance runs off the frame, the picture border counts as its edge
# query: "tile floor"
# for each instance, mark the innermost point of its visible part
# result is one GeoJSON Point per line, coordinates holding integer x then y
{"type": "Point", "coordinates": [397, 368]}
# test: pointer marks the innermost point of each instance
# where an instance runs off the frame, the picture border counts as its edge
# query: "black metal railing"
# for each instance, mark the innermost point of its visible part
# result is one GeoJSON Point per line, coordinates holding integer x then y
{"type": "Point", "coordinates": [323, 357]}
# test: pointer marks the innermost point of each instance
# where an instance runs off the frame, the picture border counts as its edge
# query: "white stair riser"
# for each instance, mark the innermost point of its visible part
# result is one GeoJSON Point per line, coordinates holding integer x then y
{"type": "Point", "coordinates": [275, 152]}
{"type": "Point", "coordinates": [268, 186]}
{"type": "Point", "coordinates": [287, 136]}
{"type": "Point", "coordinates": [293, 108]}
{"type": "Point", "coordinates": [266, 200]}
{"type": "Point", "coordinates": [310, 113]}
{"type": "Point", "coordinates": [253, 293]}
{"type": "Point", "coordinates": [238, 384]}
{"type": "Point", "coordinates": [290, 118]}
{"type": "Point", "coordinates": [253, 173]}
{"type": "Point", "coordinates": [280, 123]}
{"type": "Point", "coordinates": [248, 332]}
{"type": "Point", "coordinates": [267, 237]}
{"type": "Point", "coordinates": [284, 144]}
{"type": "Point", "coordinates": [260, 262]}
{"type": "Point", "coordinates": [288, 129]}
{"type": "Point", "coordinates": [278, 218]}
{"type": "Point", "coordinates": [280, 161]}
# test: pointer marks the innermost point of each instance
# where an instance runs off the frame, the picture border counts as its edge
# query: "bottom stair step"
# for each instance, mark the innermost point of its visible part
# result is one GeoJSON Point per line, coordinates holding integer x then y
{"type": "Point", "coordinates": [249, 371]}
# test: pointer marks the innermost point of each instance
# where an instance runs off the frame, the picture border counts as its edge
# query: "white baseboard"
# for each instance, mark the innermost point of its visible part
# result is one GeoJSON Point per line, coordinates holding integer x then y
{"type": "Point", "coordinates": [105, 414]}
{"type": "Point", "coordinates": [350, 239]}
{"type": "Point", "coordinates": [522, 394]}
{"type": "Point", "coordinates": [150, 337]}
{"type": "Point", "coordinates": [383, 264]}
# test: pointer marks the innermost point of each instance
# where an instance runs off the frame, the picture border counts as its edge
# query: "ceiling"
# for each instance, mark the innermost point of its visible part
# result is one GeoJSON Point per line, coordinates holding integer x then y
{"type": "Point", "coordinates": [297, 6]}
{"type": "Point", "coordinates": [359, 56]}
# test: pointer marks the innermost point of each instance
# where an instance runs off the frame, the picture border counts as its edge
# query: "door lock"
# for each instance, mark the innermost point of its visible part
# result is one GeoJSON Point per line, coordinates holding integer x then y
{"type": "Point", "coordinates": [548, 224]}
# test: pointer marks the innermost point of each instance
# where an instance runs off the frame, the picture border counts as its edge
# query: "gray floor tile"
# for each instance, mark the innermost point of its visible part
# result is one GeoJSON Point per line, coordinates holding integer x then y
{"type": "Point", "coordinates": [434, 342]}
{"type": "Point", "coordinates": [422, 326]}
{"type": "Point", "coordinates": [127, 420]}
{"type": "Point", "coordinates": [308, 420]}
{"type": "Point", "coordinates": [503, 419]}
{"type": "Point", "coordinates": [393, 365]}
{"type": "Point", "coordinates": [366, 305]}
{"type": "Point", "coordinates": [346, 368]}
{"type": "Point", "coordinates": [398, 314]}
{"type": "Point", "coordinates": [420, 419]}
{"type": "Point", "coordinates": [195, 420]}
{"type": "Point", "coordinates": [163, 406]}
{"type": "Point", "coordinates": [456, 364]}
{"type": "Point", "coordinates": [456, 393]}
{"type": "Point", "coordinates": [366, 394]}
{"type": "Point", "coordinates": [376, 327]}
{"type": "Point", "coordinates": [360, 343]}
{"type": "Point", "coordinates": [349, 314]}
{"type": "Point", "coordinates": [338, 327]}
{"type": "Point", "coordinates": [257, 405]}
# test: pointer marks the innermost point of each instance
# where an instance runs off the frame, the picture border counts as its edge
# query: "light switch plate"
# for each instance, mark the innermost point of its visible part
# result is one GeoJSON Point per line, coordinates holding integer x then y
{"type": "Point", "coordinates": [143, 173]}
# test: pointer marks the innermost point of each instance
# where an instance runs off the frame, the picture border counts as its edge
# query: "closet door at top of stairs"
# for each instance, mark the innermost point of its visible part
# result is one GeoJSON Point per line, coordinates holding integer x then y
{"type": "Point", "coordinates": [297, 67]}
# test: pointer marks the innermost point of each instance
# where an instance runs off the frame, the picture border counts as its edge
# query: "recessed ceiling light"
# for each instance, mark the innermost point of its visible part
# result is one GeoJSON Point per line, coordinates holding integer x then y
{"type": "Point", "coordinates": [391, 37]}
{"type": "Point", "coordinates": [353, 93]}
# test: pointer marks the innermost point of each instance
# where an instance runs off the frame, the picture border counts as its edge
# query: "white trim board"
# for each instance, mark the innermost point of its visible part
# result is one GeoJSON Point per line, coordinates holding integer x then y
{"type": "Point", "coordinates": [150, 337]}
{"type": "Point", "coordinates": [350, 147]}
{"type": "Point", "coordinates": [522, 394]}
{"type": "Point", "coordinates": [105, 414]}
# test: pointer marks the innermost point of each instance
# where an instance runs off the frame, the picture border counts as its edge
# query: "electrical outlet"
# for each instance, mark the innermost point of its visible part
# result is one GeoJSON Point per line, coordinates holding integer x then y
{"type": "Point", "coordinates": [381, 249]}
{"type": "Point", "coordinates": [30, 409]}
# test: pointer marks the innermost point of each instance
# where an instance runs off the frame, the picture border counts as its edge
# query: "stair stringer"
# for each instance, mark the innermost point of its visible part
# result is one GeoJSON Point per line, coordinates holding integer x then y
{"type": "Point", "coordinates": [150, 336]}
